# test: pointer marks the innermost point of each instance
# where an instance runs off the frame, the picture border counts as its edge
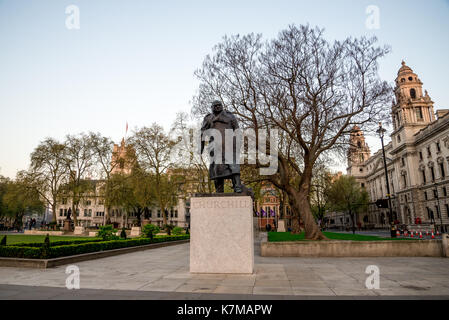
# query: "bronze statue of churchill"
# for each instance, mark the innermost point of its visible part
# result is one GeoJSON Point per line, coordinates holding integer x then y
{"type": "Point", "coordinates": [221, 120]}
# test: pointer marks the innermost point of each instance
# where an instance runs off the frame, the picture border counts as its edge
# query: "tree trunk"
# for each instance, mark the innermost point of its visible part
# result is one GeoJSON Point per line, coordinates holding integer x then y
{"type": "Point", "coordinates": [75, 218]}
{"type": "Point", "coordinates": [106, 215]}
{"type": "Point", "coordinates": [301, 209]}
{"type": "Point", "coordinates": [53, 208]}
{"type": "Point", "coordinates": [164, 217]}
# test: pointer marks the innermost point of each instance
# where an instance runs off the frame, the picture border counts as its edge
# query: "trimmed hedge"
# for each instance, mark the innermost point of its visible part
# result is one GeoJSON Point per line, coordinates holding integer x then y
{"type": "Point", "coordinates": [15, 251]}
{"type": "Point", "coordinates": [54, 243]}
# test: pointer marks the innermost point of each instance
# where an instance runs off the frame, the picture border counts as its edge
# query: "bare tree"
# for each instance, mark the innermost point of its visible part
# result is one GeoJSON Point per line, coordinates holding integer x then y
{"type": "Point", "coordinates": [312, 90]}
{"type": "Point", "coordinates": [187, 159]}
{"type": "Point", "coordinates": [47, 171]}
{"type": "Point", "coordinates": [107, 161]}
{"type": "Point", "coordinates": [153, 148]}
{"type": "Point", "coordinates": [78, 160]}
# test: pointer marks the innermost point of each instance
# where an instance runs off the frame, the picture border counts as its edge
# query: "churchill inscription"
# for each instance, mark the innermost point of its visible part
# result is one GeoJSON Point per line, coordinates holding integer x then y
{"type": "Point", "coordinates": [222, 203]}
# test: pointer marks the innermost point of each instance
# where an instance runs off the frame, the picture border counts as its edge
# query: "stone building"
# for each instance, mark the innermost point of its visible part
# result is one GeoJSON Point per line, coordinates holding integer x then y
{"type": "Point", "coordinates": [417, 160]}
{"type": "Point", "coordinates": [91, 211]}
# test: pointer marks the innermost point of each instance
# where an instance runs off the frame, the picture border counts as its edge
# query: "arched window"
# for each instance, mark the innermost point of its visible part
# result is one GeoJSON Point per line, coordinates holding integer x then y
{"type": "Point", "coordinates": [413, 93]}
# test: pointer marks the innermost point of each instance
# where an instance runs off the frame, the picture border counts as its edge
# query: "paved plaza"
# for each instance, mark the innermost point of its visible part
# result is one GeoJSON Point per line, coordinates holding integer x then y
{"type": "Point", "coordinates": [164, 272]}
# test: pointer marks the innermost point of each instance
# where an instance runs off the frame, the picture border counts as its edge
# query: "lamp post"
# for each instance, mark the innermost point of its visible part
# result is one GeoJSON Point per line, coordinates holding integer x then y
{"type": "Point", "coordinates": [381, 131]}
{"type": "Point", "coordinates": [438, 209]}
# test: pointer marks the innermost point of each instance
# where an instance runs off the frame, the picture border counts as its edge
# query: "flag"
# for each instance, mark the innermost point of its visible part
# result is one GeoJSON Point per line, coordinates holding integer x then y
{"type": "Point", "coordinates": [263, 213]}
{"type": "Point", "coordinates": [257, 213]}
{"type": "Point", "coordinates": [272, 213]}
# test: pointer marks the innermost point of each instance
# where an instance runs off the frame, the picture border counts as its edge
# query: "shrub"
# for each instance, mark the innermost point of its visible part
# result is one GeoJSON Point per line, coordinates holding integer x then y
{"type": "Point", "coordinates": [177, 230]}
{"type": "Point", "coordinates": [123, 233]}
{"type": "Point", "coordinates": [149, 230]}
{"type": "Point", "coordinates": [46, 248]}
{"type": "Point", "coordinates": [54, 243]}
{"type": "Point", "coordinates": [107, 233]}
{"type": "Point", "coordinates": [74, 249]}
{"type": "Point", "coordinates": [20, 252]}
{"type": "Point", "coordinates": [168, 228]}
{"type": "Point", "coordinates": [3, 242]}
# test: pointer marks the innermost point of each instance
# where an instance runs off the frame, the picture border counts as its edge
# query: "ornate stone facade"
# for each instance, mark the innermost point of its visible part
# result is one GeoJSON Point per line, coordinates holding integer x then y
{"type": "Point", "coordinates": [417, 159]}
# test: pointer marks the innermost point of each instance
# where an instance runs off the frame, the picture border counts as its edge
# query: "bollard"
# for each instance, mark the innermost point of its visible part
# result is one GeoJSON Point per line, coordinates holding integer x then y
{"type": "Point", "coordinates": [445, 244]}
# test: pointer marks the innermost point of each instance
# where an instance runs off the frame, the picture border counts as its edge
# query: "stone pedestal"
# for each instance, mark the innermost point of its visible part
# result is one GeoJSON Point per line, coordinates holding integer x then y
{"type": "Point", "coordinates": [281, 226]}
{"type": "Point", "coordinates": [221, 234]}
{"type": "Point", "coordinates": [79, 230]}
{"type": "Point", "coordinates": [135, 232]}
{"type": "Point", "coordinates": [67, 225]}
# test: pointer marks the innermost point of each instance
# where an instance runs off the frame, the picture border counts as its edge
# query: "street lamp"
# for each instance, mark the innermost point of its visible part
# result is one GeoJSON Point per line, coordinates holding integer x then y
{"type": "Point", "coordinates": [438, 209]}
{"type": "Point", "coordinates": [381, 131]}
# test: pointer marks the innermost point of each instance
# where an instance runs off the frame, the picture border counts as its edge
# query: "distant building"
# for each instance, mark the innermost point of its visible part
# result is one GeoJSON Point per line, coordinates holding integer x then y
{"type": "Point", "coordinates": [91, 211]}
{"type": "Point", "coordinates": [417, 159]}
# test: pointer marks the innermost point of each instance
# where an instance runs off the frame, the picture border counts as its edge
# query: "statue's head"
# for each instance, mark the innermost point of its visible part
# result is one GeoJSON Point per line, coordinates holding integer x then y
{"type": "Point", "coordinates": [217, 107]}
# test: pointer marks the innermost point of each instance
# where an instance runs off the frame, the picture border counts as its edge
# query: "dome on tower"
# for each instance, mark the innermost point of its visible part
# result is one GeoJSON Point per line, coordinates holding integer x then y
{"type": "Point", "coordinates": [404, 69]}
{"type": "Point", "coordinates": [406, 75]}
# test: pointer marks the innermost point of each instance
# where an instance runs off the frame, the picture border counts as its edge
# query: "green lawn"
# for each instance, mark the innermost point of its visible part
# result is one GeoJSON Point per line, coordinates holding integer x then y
{"type": "Point", "coordinates": [287, 236]}
{"type": "Point", "coordinates": [16, 238]}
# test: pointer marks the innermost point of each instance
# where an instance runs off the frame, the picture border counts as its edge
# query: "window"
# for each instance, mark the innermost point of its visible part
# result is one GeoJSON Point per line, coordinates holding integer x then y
{"type": "Point", "coordinates": [61, 212]}
{"type": "Point", "coordinates": [425, 195]}
{"type": "Point", "coordinates": [64, 200]}
{"type": "Point", "coordinates": [420, 155]}
{"type": "Point", "coordinates": [447, 209]}
{"type": "Point", "coordinates": [410, 79]}
{"type": "Point", "coordinates": [429, 153]}
{"type": "Point", "coordinates": [443, 174]}
{"type": "Point", "coordinates": [437, 209]}
{"type": "Point", "coordinates": [445, 192]}
{"type": "Point", "coordinates": [429, 213]}
{"type": "Point", "coordinates": [176, 213]}
{"type": "Point", "coordinates": [65, 212]}
{"type": "Point", "coordinates": [413, 93]}
{"type": "Point", "coordinates": [435, 193]}
{"type": "Point", "coordinates": [90, 212]}
{"type": "Point", "coordinates": [150, 213]}
{"type": "Point", "coordinates": [438, 147]}
{"type": "Point", "coordinates": [403, 161]}
{"type": "Point", "coordinates": [85, 212]}
{"type": "Point", "coordinates": [423, 172]}
{"type": "Point", "coordinates": [159, 213]}
{"type": "Point", "coordinates": [419, 115]}
{"type": "Point", "coordinates": [432, 171]}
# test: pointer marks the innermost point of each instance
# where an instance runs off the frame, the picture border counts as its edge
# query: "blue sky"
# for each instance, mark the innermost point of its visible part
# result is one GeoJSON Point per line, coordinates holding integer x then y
{"type": "Point", "coordinates": [134, 60]}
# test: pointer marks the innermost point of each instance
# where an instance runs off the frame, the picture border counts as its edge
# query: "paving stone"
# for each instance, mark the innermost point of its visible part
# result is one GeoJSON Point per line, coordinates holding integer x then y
{"type": "Point", "coordinates": [233, 289]}
{"type": "Point", "coordinates": [163, 272]}
{"type": "Point", "coordinates": [273, 290]}
{"type": "Point", "coordinates": [196, 288]}
{"type": "Point", "coordinates": [272, 283]}
{"type": "Point", "coordinates": [313, 291]}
